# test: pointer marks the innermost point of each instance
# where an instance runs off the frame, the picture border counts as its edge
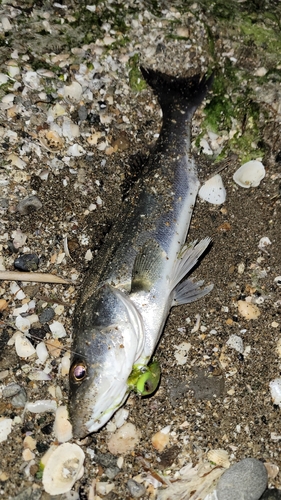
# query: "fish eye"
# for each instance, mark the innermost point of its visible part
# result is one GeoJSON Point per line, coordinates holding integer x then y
{"type": "Point", "coordinates": [79, 372]}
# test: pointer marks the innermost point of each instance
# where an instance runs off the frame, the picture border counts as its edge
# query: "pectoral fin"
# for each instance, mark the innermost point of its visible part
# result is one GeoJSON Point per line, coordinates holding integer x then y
{"type": "Point", "coordinates": [147, 266]}
{"type": "Point", "coordinates": [187, 291]}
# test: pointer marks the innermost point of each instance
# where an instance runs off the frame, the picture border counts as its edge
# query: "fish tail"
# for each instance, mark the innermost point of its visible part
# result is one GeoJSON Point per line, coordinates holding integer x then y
{"type": "Point", "coordinates": [184, 94]}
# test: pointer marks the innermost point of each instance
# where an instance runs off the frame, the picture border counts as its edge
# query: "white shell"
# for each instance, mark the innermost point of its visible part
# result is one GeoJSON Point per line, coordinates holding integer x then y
{"type": "Point", "coordinates": [41, 406]}
{"type": "Point", "coordinates": [63, 468]}
{"type": "Point", "coordinates": [24, 348]}
{"type": "Point", "coordinates": [275, 389]}
{"type": "Point", "coordinates": [236, 343]}
{"type": "Point", "coordinates": [219, 457]}
{"type": "Point", "coordinates": [213, 191]}
{"type": "Point", "coordinates": [57, 330]}
{"type": "Point", "coordinates": [62, 426]}
{"type": "Point", "coordinates": [5, 428]}
{"type": "Point", "coordinates": [250, 174]}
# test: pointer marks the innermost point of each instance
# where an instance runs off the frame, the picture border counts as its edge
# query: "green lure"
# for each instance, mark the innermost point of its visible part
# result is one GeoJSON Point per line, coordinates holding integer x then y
{"type": "Point", "coordinates": [145, 380]}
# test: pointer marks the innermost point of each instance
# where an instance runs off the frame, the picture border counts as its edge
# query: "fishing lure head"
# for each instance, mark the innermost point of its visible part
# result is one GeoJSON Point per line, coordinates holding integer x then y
{"type": "Point", "coordinates": [108, 338]}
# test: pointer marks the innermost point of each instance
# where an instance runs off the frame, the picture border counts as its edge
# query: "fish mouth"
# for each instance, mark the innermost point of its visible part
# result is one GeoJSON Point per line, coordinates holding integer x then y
{"type": "Point", "coordinates": [93, 419]}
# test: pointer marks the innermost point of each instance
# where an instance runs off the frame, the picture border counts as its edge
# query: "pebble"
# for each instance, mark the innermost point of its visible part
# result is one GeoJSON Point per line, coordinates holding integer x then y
{"type": "Point", "coordinates": [29, 205]}
{"type": "Point", "coordinates": [161, 439]}
{"type": "Point", "coordinates": [271, 495]}
{"type": "Point", "coordinates": [137, 490]}
{"type": "Point", "coordinates": [245, 479]}
{"type": "Point", "coordinates": [16, 393]}
{"type": "Point", "coordinates": [27, 262]}
{"type": "Point", "coordinates": [47, 315]}
{"type": "Point", "coordinates": [28, 494]}
{"type": "Point", "coordinates": [3, 304]}
{"type": "Point", "coordinates": [111, 472]}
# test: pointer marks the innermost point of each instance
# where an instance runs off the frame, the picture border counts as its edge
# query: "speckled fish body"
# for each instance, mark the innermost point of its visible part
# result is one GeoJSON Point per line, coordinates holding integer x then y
{"type": "Point", "coordinates": [138, 274]}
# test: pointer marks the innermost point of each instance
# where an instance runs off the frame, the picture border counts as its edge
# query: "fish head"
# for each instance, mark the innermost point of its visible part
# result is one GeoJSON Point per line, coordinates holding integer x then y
{"type": "Point", "coordinates": [109, 340]}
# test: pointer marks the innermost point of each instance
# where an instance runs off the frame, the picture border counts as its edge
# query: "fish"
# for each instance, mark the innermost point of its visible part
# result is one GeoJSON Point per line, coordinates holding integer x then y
{"type": "Point", "coordinates": [140, 271]}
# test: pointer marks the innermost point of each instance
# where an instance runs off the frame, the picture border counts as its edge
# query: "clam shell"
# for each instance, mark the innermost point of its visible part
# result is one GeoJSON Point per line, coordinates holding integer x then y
{"type": "Point", "coordinates": [219, 457]}
{"type": "Point", "coordinates": [213, 191]}
{"type": "Point", "coordinates": [250, 174]}
{"type": "Point", "coordinates": [50, 140]}
{"type": "Point", "coordinates": [63, 468]}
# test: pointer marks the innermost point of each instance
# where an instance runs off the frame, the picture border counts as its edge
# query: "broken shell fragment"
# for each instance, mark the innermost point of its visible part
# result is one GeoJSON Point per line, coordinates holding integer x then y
{"type": "Point", "coordinates": [50, 140]}
{"type": "Point", "coordinates": [161, 439]}
{"type": "Point", "coordinates": [275, 390]}
{"type": "Point", "coordinates": [124, 439]}
{"type": "Point", "coordinates": [250, 174]}
{"type": "Point", "coordinates": [63, 468]}
{"type": "Point", "coordinates": [247, 310]}
{"type": "Point", "coordinates": [62, 426]}
{"type": "Point", "coordinates": [213, 191]}
{"type": "Point", "coordinates": [219, 457]}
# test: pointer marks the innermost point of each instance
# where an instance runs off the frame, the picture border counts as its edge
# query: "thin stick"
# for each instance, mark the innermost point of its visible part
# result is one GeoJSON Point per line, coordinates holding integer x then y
{"type": "Point", "coordinates": [36, 277]}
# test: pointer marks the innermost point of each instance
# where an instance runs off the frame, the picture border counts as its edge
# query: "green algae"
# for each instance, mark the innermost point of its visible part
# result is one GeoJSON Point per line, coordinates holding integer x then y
{"type": "Point", "coordinates": [136, 80]}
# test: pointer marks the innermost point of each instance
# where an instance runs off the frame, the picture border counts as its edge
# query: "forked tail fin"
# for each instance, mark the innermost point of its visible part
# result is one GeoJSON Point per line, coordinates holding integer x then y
{"type": "Point", "coordinates": [184, 94]}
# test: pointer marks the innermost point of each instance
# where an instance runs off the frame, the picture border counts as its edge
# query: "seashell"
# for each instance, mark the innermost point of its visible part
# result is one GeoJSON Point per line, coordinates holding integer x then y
{"type": "Point", "coordinates": [57, 330]}
{"type": "Point", "coordinates": [272, 470]}
{"type": "Point", "coordinates": [5, 428]}
{"type": "Point", "coordinates": [219, 457]}
{"type": "Point", "coordinates": [62, 426]}
{"type": "Point", "coordinates": [72, 91]}
{"type": "Point", "coordinates": [236, 343]}
{"type": "Point", "coordinates": [63, 468]}
{"type": "Point", "coordinates": [247, 310]}
{"type": "Point", "coordinates": [50, 140]}
{"type": "Point", "coordinates": [250, 174]}
{"type": "Point", "coordinates": [124, 439]}
{"type": "Point", "coordinates": [161, 439]}
{"type": "Point", "coordinates": [28, 205]}
{"type": "Point", "coordinates": [24, 348]}
{"type": "Point", "coordinates": [41, 406]}
{"type": "Point", "coordinates": [275, 390]}
{"type": "Point", "coordinates": [213, 191]}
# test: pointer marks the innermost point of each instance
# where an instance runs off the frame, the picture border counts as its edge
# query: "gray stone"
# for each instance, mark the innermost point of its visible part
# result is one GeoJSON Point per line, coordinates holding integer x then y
{"type": "Point", "coordinates": [29, 205]}
{"type": "Point", "coordinates": [16, 393]}
{"type": "Point", "coordinates": [47, 315]}
{"type": "Point", "coordinates": [111, 472]}
{"type": "Point", "coordinates": [137, 490]}
{"type": "Point", "coordinates": [27, 262]}
{"type": "Point", "coordinates": [28, 494]}
{"type": "Point", "coordinates": [245, 480]}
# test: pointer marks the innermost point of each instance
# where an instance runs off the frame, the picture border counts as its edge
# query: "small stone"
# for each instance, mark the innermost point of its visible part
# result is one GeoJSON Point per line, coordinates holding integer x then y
{"type": "Point", "coordinates": [137, 490]}
{"type": "Point", "coordinates": [29, 205]}
{"type": "Point", "coordinates": [106, 460]}
{"type": "Point", "coordinates": [3, 304]}
{"type": "Point", "coordinates": [111, 472]}
{"type": "Point", "coordinates": [27, 262]}
{"type": "Point", "coordinates": [47, 315]}
{"type": "Point", "coordinates": [245, 479]}
{"type": "Point", "coordinates": [271, 495]}
{"type": "Point", "coordinates": [161, 439]}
